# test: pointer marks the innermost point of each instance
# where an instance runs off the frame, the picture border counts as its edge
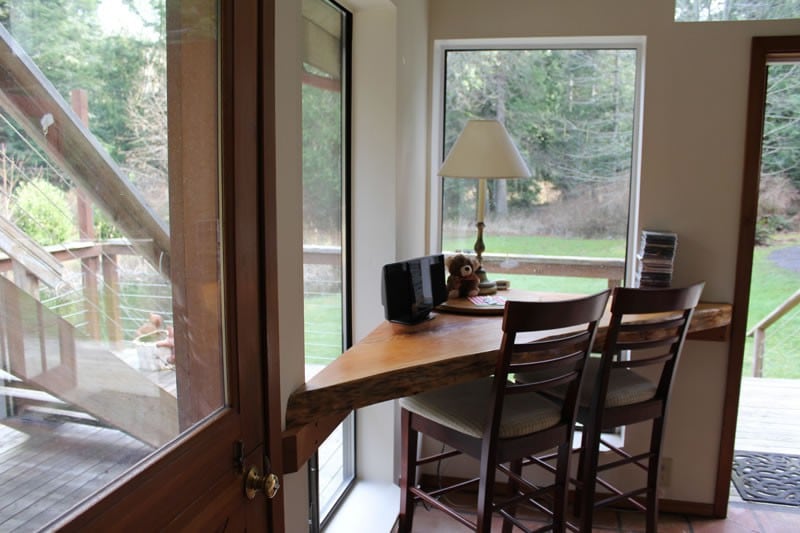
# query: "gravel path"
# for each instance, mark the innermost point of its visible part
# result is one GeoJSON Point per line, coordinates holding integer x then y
{"type": "Point", "coordinates": [788, 258]}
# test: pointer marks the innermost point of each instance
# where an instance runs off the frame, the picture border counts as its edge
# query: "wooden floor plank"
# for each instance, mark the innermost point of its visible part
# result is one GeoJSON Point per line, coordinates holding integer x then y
{"type": "Point", "coordinates": [769, 416]}
{"type": "Point", "coordinates": [55, 466]}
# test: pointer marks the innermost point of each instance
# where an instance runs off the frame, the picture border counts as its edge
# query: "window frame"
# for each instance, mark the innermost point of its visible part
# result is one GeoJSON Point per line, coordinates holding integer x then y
{"type": "Point", "coordinates": [320, 513]}
{"type": "Point", "coordinates": [440, 49]}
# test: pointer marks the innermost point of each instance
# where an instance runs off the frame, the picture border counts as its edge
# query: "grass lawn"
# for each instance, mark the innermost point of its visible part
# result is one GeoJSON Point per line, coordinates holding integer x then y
{"type": "Point", "coordinates": [771, 285]}
{"type": "Point", "coordinates": [521, 244]}
{"type": "Point", "coordinates": [323, 327]}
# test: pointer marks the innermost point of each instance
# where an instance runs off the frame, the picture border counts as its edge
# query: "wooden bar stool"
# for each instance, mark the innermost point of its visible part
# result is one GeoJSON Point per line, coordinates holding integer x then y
{"type": "Point", "coordinates": [648, 328]}
{"type": "Point", "coordinates": [498, 421]}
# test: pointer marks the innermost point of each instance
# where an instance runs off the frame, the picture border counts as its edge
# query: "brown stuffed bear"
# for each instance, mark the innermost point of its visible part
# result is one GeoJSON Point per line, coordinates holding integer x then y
{"type": "Point", "coordinates": [462, 280]}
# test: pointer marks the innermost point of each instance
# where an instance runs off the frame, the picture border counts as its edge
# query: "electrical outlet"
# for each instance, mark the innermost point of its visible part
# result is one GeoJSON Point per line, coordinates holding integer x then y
{"type": "Point", "coordinates": [665, 474]}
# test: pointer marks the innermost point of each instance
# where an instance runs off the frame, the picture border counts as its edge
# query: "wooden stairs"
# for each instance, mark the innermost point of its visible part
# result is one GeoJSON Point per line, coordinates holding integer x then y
{"type": "Point", "coordinates": [43, 352]}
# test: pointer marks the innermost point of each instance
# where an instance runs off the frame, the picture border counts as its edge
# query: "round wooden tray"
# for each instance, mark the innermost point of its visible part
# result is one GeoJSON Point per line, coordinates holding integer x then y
{"type": "Point", "coordinates": [467, 307]}
{"type": "Point", "coordinates": [495, 303]}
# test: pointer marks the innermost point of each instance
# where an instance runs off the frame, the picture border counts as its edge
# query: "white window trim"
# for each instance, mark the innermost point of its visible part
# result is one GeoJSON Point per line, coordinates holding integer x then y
{"type": "Point", "coordinates": [599, 42]}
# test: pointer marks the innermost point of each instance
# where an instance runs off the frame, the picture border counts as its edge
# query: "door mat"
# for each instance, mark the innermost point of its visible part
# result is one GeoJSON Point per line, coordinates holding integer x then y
{"type": "Point", "coordinates": [767, 477]}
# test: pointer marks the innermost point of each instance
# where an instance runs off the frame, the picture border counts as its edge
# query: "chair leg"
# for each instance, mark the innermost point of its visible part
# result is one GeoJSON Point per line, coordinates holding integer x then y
{"type": "Point", "coordinates": [486, 492]}
{"type": "Point", "coordinates": [579, 473]}
{"type": "Point", "coordinates": [408, 470]}
{"type": "Point", "coordinates": [653, 471]}
{"type": "Point", "coordinates": [513, 485]}
{"type": "Point", "coordinates": [590, 456]}
{"type": "Point", "coordinates": [561, 488]}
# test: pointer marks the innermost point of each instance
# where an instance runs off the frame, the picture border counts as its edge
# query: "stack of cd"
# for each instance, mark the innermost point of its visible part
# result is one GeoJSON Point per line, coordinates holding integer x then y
{"type": "Point", "coordinates": [656, 256]}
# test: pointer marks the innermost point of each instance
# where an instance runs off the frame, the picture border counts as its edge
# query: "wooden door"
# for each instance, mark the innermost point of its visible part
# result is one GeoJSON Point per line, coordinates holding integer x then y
{"type": "Point", "coordinates": [221, 265]}
{"type": "Point", "coordinates": [763, 52]}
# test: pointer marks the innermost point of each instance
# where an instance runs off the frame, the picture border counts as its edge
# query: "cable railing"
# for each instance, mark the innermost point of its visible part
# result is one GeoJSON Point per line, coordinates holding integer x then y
{"type": "Point", "coordinates": [608, 268]}
{"type": "Point", "coordinates": [139, 291]}
{"type": "Point", "coordinates": [322, 303]}
{"type": "Point", "coordinates": [785, 323]}
{"type": "Point", "coordinates": [126, 294]}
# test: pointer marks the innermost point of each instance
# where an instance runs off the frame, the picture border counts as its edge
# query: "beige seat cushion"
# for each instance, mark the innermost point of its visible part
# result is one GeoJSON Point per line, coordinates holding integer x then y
{"type": "Point", "coordinates": [464, 407]}
{"type": "Point", "coordinates": [625, 387]}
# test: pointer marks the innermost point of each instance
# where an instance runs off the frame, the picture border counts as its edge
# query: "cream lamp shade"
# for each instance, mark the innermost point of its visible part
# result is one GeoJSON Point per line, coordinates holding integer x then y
{"type": "Point", "coordinates": [484, 150]}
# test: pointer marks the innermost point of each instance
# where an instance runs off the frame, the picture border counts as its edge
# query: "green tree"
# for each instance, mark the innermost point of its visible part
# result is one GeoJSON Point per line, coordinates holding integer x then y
{"type": "Point", "coordinates": [781, 146]}
{"type": "Point", "coordinates": [570, 112]}
{"type": "Point", "coordinates": [65, 40]}
{"type": "Point", "coordinates": [322, 163]}
{"type": "Point", "coordinates": [703, 10]}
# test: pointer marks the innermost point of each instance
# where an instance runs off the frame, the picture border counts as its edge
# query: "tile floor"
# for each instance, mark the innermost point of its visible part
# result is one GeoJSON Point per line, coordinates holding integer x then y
{"type": "Point", "coordinates": [743, 517]}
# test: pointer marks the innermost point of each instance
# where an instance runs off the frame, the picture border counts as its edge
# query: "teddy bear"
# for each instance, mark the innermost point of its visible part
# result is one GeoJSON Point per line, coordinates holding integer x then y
{"type": "Point", "coordinates": [462, 281]}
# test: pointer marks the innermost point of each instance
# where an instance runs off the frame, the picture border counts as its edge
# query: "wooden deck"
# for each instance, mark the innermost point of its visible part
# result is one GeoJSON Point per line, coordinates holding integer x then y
{"type": "Point", "coordinates": [769, 416]}
{"type": "Point", "coordinates": [53, 456]}
{"type": "Point", "coordinates": [48, 465]}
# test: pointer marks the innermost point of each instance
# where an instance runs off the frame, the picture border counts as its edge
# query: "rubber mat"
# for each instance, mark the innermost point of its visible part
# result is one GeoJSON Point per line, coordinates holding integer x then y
{"type": "Point", "coordinates": [767, 477]}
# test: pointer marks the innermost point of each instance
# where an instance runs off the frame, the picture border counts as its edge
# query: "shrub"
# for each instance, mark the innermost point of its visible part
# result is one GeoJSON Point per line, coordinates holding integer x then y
{"type": "Point", "coordinates": [43, 212]}
{"type": "Point", "coordinates": [104, 228]}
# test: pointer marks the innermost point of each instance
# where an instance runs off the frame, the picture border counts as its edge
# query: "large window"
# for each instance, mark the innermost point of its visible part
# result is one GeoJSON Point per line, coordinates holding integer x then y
{"type": "Point", "coordinates": [325, 228]}
{"type": "Point", "coordinates": [712, 10]}
{"type": "Point", "coordinates": [572, 109]}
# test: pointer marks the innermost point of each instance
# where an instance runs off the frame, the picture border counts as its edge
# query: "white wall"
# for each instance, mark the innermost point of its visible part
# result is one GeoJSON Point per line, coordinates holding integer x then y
{"type": "Point", "coordinates": [413, 122]}
{"type": "Point", "coordinates": [288, 120]}
{"type": "Point", "coordinates": [374, 129]}
{"type": "Point", "coordinates": [374, 212]}
{"type": "Point", "coordinates": [693, 140]}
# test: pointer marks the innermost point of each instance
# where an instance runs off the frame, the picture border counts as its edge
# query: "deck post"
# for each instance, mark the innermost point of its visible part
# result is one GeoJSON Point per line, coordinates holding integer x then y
{"type": "Point", "coordinates": [79, 99]}
{"type": "Point", "coordinates": [89, 268]}
{"type": "Point", "coordinates": [759, 341]}
{"type": "Point", "coordinates": [111, 298]}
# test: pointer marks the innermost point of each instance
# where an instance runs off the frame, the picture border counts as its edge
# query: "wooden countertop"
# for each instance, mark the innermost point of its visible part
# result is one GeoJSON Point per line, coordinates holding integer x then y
{"type": "Point", "coordinates": [397, 360]}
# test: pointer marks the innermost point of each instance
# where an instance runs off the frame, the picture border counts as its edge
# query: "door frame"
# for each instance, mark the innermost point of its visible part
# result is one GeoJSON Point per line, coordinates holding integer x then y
{"type": "Point", "coordinates": [197, 481]}
{"type": "Point", "coordinates": [764, 50]}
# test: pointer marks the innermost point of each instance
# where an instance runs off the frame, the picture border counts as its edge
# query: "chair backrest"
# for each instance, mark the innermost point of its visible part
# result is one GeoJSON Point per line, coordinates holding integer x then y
{"type": "Point", "coordinates": [649, 326]}
{"type": "Point", "coordinates": [554, 356]}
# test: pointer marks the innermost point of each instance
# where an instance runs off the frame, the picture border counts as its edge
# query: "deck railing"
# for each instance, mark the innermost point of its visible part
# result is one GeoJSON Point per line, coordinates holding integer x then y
{"type": "Point", "coordinates": [100, 288]}
{"type": "Point", "coordinates": [611, 269]}
{"type": "Point", "coordinates": [759, 331]}
{"type": "Point", "coordinates": [94, 296]}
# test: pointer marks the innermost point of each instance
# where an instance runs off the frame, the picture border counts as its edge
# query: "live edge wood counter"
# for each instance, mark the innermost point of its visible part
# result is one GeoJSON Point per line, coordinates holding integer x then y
{"type": "Point", "coordinates": [397, 360]}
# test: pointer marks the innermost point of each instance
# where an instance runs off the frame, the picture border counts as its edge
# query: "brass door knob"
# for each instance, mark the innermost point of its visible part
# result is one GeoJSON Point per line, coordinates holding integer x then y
{"type": "Point", "coordinates": [254, 482]}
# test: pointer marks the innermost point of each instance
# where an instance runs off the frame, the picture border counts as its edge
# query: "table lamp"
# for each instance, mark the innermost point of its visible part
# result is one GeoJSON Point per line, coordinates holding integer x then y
{"type": "Point", "coordinates": [484, 150]}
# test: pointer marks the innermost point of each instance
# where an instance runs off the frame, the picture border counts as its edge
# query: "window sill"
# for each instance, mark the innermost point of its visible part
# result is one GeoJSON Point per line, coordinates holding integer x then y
{"type": "Point", "coordinates": [372, 506]}
{"type": "Point", "coordinates": [369, 506]}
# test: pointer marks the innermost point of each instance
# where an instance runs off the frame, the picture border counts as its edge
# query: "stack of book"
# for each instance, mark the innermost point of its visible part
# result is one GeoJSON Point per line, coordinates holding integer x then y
{"type": "Point", "coordinates": [656, 256]}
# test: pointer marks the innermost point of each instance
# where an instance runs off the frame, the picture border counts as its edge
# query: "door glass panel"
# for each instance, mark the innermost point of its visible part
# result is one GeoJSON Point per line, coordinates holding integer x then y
{"type": "Point", "coordinates": [110, 336]}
